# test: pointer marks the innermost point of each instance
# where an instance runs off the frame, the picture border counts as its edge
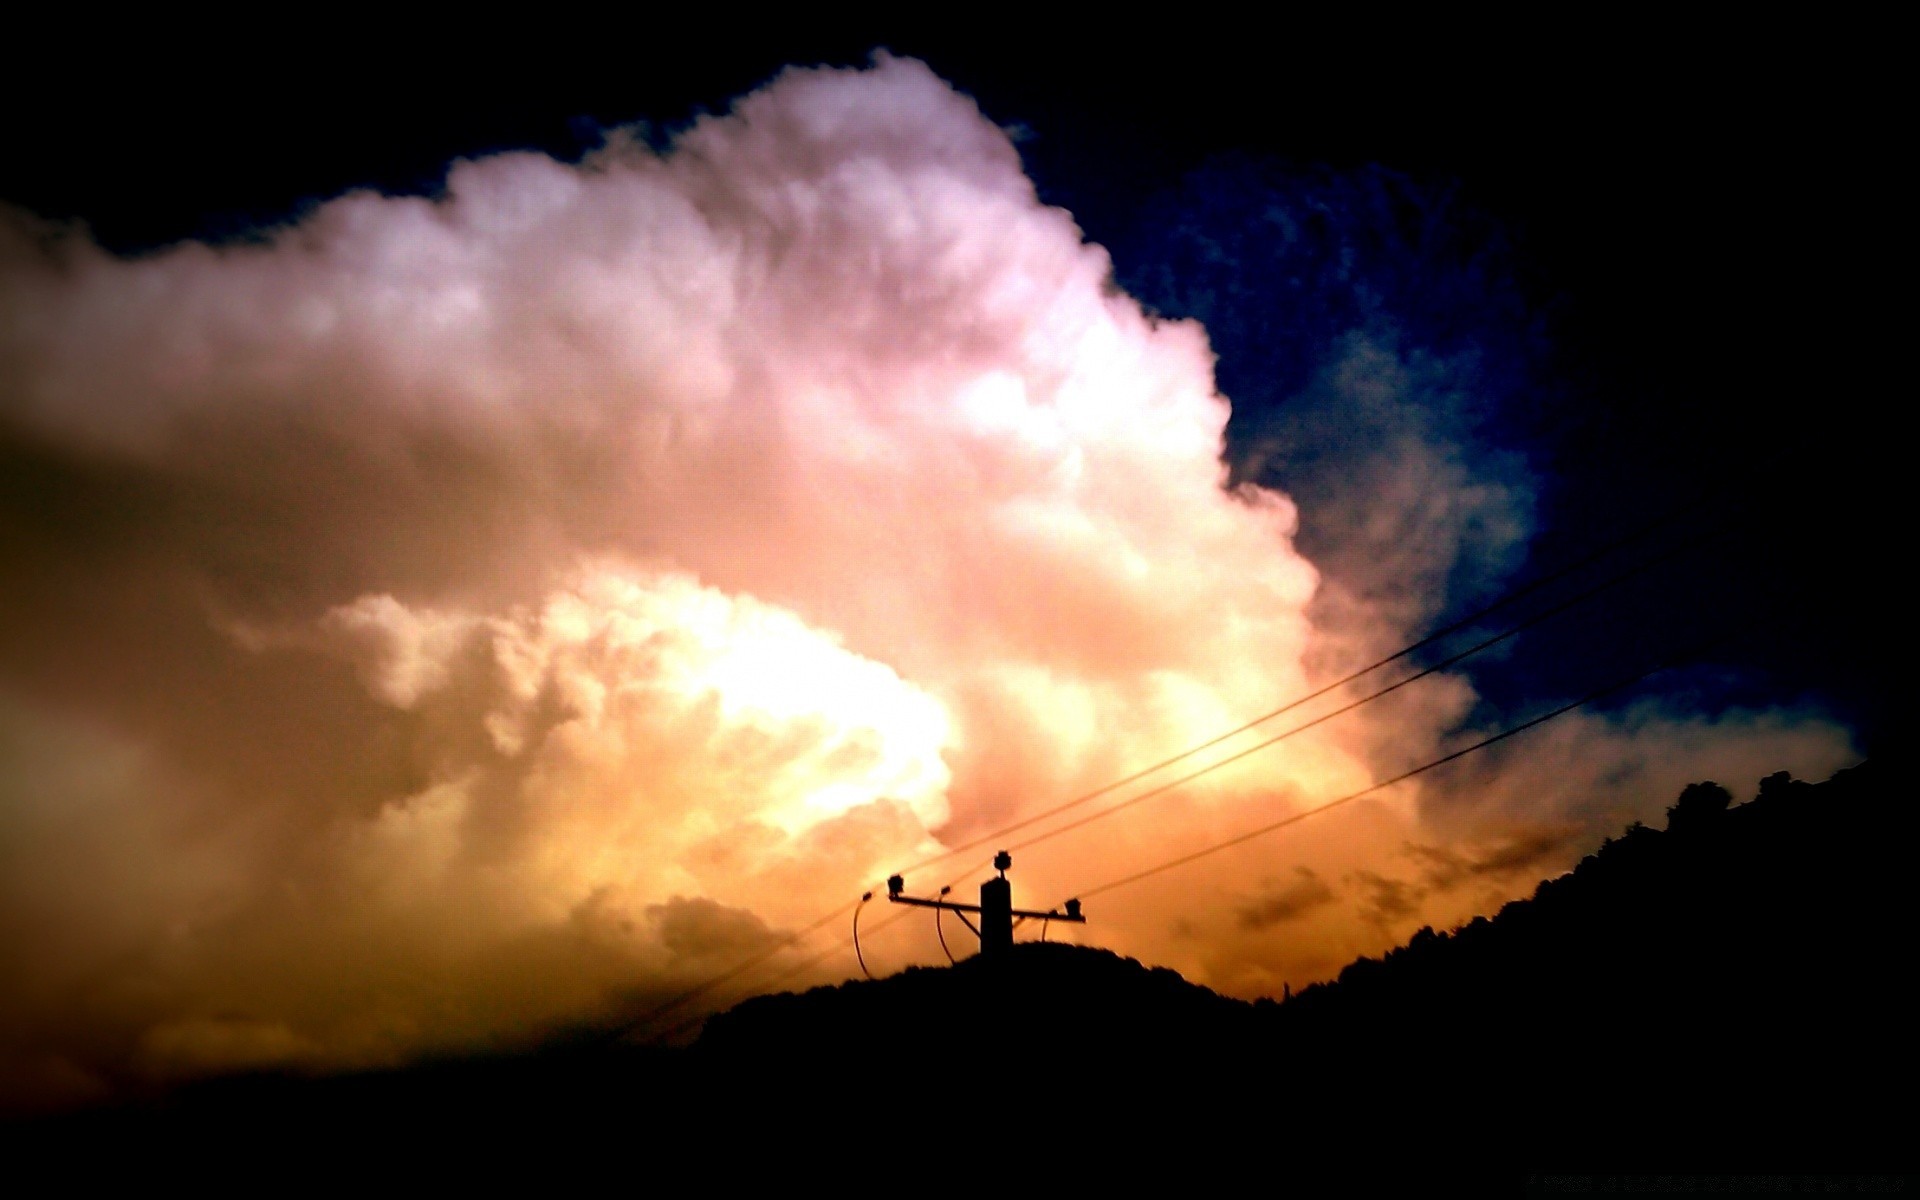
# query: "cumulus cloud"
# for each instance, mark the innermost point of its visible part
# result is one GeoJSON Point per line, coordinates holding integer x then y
{"type": "Point", "coordinates": [441, 620]}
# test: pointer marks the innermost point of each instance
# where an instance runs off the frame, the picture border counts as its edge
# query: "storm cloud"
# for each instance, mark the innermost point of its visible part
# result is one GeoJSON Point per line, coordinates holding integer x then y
{"type": "Point", "coordinates": [441, 619]}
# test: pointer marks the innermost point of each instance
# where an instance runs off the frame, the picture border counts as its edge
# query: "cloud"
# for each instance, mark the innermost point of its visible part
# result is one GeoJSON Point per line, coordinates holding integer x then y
{"type": "Point", "coordinates": [1518, 851]}
{"type": "Point", "coordinates": [1384, 900]}
{"type": "Point", "coordinates": [445, 619]}
{"type": "Point", "coordinates": [1598, 772]}
{"type": "Point", "coordinates": [702, 927]}
{"type": "Point", "coordinates": [1285, 903]}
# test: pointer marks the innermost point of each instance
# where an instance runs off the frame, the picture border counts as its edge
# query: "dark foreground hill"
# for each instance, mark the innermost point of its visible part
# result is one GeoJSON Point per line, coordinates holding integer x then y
{"type": "Point", "coordinates": [1731, 990]}
{"type": "Point", "coordinates": [1727, 995]}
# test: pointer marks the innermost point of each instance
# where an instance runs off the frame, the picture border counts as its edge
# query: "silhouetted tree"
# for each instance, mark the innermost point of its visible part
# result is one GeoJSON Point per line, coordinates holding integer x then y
{"type": "Point", "coordinates": [1780, 787]}
{"type": "Point", "coordinates": [1697, 807]}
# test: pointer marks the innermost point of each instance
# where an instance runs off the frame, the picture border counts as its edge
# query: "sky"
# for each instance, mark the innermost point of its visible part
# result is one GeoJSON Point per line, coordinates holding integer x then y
{"type": "Point", "coordinates": [495, 539]}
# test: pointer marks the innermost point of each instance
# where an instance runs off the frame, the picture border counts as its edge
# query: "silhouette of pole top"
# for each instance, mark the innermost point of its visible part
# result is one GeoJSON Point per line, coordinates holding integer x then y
{"type": "Point", "coordinates": [995, 909]}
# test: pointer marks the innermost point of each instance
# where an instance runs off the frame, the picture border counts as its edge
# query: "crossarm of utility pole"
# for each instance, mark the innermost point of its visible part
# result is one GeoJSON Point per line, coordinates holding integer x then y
{"type": "Point", "coordinates": [1077, 918]}
{"type": "Point", "coordinates": [949, 905]}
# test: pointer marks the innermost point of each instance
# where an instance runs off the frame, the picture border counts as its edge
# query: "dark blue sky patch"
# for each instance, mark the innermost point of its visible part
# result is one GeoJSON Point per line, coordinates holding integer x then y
{"type": "Point", "coordinates": [1370, 330]}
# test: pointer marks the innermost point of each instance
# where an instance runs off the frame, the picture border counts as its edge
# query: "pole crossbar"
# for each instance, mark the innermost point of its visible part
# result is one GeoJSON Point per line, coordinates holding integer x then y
{"type": "Point", "coordinates": [1053, 914]}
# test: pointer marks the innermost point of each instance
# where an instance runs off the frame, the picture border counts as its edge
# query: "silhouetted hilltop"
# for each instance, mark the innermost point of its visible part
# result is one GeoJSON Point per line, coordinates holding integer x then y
{"type": "Point", "coordinates": [1732, 989]}
{"type": "Point", "coordinates": [1727, 994]}
{"type": "Point", "coordinates": [1728, 991]}
{"type": "Point", "coordinates": [1047, 1006]}
{"type": "Point", "coordinates": [1780, 900]}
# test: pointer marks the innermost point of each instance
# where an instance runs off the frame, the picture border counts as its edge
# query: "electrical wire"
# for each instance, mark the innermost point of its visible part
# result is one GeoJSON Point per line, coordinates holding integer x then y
{"type": "Point", "coordinates": [800, 967]}
{"type": "Point", "coordinates": [1296, 818]}
{"type": "Point", "coordinates": [1261, 831]}
{"type": "Point", "coordinates": [751, 962]}
{"type": "Point", "coordinates": [762, 956]}
{"type": "Point", "coordinates": [1451, 628]}
{"type": "Point", "coordinates": [1443, 664]}
{"type": "Point", "coordinates": [943, 937]}
{"type": "Point", "coordinates": [1509, 598]}
{"type": "Point", "coordinates": [856, 934]}
{"type": "Point", "coordinates": [1271, 827]}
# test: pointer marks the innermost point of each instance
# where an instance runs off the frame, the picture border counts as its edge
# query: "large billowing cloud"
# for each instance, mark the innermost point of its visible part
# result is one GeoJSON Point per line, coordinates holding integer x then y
{"type": "Point", "coordinates": [441, 620]}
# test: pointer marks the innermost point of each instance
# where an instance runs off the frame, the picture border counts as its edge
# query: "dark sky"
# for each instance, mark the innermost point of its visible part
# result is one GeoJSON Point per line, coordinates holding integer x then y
{"type": "Point", "coordinates": [1657, 252]}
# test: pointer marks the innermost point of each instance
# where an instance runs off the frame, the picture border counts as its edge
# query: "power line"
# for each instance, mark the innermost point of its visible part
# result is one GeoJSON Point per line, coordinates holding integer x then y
{"type": "Point", "coordinates": [1239, 839]}
{"type": "Point", "coordinates": [1252, 834]}
{"type": "Point", "coordinates": [1454, 627]}
{"type": "Point", "coordinates": [753, 961]}
{"type": "Point", "coordinates": [1296, 818]}
{"type": "Point", "coordinates": [789, 972]}
{"type": "Point", "coordinates": [1535, 619]}
{"type": "Point", "coordinates": [1467, 621]}
{"type": "Point", "coordinates": [811, 961]}
{"type": "Point", "coordinates": [1293, 819]}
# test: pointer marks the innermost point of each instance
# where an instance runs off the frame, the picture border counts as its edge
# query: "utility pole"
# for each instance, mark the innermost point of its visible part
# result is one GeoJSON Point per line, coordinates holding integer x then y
{"type": "Point", "coordinates": [996, 909]}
